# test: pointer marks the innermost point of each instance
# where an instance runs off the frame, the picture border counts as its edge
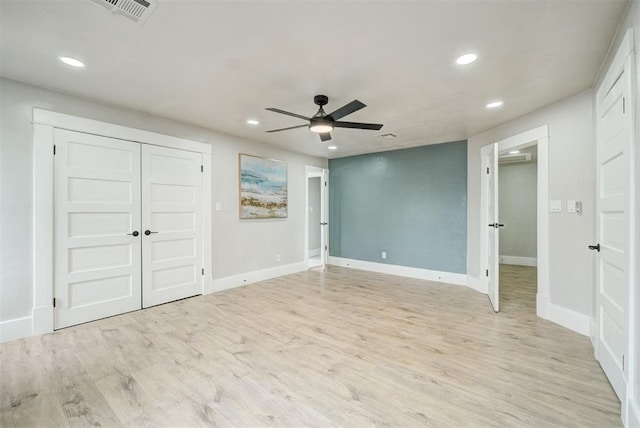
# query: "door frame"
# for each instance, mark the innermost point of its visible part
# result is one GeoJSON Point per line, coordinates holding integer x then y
{"type": "Point", "coordinates": [538, 136]}
{"type": "Point", "coordinates": [309, 172]}
{"type": "Point", "coordinates": [44, 122]}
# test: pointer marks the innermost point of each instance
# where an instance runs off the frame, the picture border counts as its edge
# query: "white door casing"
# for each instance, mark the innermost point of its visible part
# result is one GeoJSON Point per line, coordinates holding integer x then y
{"type": "Point", "coordinates": [97, 265]}
{"type": "Point", "coordinates": [172, 262]}
{"type": "Point", "coordinates": [613, 229]}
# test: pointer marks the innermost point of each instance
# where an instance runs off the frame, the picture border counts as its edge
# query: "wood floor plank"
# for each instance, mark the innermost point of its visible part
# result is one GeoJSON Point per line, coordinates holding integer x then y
{"type": "Point", "coordinates": [339, 347]}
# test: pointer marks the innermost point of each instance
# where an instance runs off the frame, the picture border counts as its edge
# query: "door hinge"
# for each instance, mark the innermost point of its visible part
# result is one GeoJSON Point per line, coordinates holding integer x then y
{"type": "Point", "coordinates": [622, 362]}
{"type": "Point", "coordinates": [487, 170]}
{"type": "Point", "coordinates": [325, 248]}
{"type": "Point", "coordinates": [487, 272]}
{"type": "Point", "coordinates": [201, 168]}
{"type": "Point", "coordinates": [54, 149]}
{"type": "Point", "coordinates": [203, 271]}
{"type": "Point", "coordinates": [54, 302]}
{"type": "Point", "coordinates": [325, 184]}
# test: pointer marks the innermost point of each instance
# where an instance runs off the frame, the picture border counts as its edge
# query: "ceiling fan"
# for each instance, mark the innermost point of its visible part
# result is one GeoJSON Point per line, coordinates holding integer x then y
{"type": "Point", "coordinates": [323, 123]}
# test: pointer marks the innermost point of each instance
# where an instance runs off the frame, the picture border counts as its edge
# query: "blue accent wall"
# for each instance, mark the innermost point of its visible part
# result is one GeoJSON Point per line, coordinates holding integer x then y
{"type": "Point", "coordinates": [411, 203]}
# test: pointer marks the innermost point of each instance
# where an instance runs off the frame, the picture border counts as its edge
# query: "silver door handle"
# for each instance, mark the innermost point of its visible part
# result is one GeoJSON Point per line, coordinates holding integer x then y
{"type": "Point", "coordinates": [148, 232]}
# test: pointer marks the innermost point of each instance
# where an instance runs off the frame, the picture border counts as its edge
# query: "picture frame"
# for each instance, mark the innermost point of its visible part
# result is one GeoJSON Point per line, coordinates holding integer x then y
{"type": "Point", "coordinates": [263, 187]}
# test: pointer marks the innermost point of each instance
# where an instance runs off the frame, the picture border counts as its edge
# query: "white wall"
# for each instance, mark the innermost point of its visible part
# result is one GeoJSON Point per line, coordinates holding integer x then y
{"type": "Point", "coordinates": [632, 20]}
{"type": "Point", "coordinates": [517, 185]}
{"type": "Point", "coordinates": [571, 176]}
{"type": "Point", "coordinates": [238, 246]}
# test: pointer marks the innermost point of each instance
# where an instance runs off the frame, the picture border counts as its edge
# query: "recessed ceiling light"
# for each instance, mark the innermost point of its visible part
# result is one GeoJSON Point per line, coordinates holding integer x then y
{"type": "Point", "coordinates": [253, 122]}
{"type": "Point", "coordinates": [514, 152]}
{"type": "Point", "coordinates": [72, 61]}
{"type": "Point", "coordinates": [466, 59]}
{"type": "Point", "coordinates": [332, 147]}
{"type": "Point", "coordinates": [494, 104]}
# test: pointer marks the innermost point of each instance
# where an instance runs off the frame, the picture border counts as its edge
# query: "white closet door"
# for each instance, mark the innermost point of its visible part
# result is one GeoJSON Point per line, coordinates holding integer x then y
{"type": "Point", "coordinates": [172, 221]}
{"type": "Point", "coordinates": [97, 209]}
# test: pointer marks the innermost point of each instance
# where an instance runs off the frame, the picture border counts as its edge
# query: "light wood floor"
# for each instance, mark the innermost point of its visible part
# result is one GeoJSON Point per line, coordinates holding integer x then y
{"type": "Point", "coordinates": [336, 348]}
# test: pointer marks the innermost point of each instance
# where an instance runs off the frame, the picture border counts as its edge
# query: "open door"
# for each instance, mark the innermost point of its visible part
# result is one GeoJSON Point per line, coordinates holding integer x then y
{"type": "Point", "coordinates": [493, 226]}
{"type": "Point", "coordinates": [614, 213]}
{"type": "Point", "coordinates": [317, 217]}
{"type": "Point", "coordinates": [324, 218]}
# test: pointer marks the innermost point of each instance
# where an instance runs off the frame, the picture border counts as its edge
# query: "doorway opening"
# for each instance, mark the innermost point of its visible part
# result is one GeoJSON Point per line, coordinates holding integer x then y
{"type": "Point", "coordinates": [316, 233]}
{"type": "Point", "coordinates": [491, 223]}
{"type": "Point", "coordinates": [517, 200]}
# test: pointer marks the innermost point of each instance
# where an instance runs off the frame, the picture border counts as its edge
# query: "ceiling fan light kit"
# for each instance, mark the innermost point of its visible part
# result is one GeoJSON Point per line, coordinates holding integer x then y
{"type": "Point", "coordinates": [323, 123]}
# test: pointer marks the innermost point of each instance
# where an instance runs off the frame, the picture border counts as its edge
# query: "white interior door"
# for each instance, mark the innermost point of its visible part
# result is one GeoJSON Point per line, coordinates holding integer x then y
{"type": "Point", "coordinates": [324, 218]}
{"type": "Point", "coordinates": [493, 250]}
{"type": "Point", "coordinates": [172, 264]}
{"type": "Point", "coordinates": [614, 143]}
{"type": "Point", "coordinates": [97, 214]}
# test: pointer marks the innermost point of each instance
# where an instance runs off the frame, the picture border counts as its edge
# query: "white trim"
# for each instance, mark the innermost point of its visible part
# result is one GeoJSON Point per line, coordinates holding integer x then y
{"type": "Point", "coordinates": [42, 319]}
{"type": "Point", "coordinates": [410, 272]}
{"type": "Point", "coordinates": [15, 329]}
{"type": "Point", "coordinates": [568, 318]}
{"type": "Point", "coordinates": [517, 260]}
{"type": "Point", "coordinates": [247, 278]}
{"type": "Point", "coordinates": [43, 205]}
{"type": "Point", "coordinates": [44, 122]}
{"type": "Point", "coordinates": [309, 172]}
{"type": "Point", "coordinates": [207, 222]}
{"type": "Point", "coordinates": [617, 65]}
{"type": "Point", "coordinates": [632, 414]}
{"type": "Point", "coordinates": [90, 126]}
{"type": "Point", "coordinates": [315, 252]}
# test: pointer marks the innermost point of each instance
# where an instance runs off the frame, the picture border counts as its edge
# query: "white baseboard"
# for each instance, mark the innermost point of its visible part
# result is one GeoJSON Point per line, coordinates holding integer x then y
{"type": "Point", "coordinates": [314, 253]}
{"type": "Point", "coordinates": [520, 261]}
{"type": "Point", "coordinates": [592, 334]}
{"type": "Point", "coordinates": [234, 281]}
{"type": "Point", "coordinates": [15, 329]}
{"type": "Point", "coordinates": [568, 318]}
{"type": "Point", "coordinates": [429, 275]}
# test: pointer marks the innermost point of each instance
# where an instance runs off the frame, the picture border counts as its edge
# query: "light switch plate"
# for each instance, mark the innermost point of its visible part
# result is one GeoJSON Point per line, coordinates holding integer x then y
{"type": "Point", "coordinates": [555, 206]}
{"type": "Point", "coordinates": [218, 206]}
{"type": "Point", "coordinates": [571, 206]}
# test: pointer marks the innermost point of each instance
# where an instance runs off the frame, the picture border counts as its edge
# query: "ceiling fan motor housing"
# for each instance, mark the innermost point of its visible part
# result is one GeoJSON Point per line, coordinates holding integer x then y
{"type": "Point", "coordinates": [321, 100]}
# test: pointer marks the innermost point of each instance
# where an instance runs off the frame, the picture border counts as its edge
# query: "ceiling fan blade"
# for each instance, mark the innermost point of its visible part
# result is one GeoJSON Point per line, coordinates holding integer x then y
{"type": "Point", "coordinates": [326, 136]}
{"type": "Point", "coordinates": [277, 110]}
{"type": "Point", "coordinates": [291, 127]}
{"type": "Point", "coordinates": [358, 125]}
{"type": "Point", "coordinates": [353, 106]}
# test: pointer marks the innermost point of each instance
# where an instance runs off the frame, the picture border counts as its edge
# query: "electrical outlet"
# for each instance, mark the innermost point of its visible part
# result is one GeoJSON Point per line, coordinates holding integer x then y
{"type": "Point", "coordinates": [383, 255]}
{"type": "Point", "coordinates": [278, 257]}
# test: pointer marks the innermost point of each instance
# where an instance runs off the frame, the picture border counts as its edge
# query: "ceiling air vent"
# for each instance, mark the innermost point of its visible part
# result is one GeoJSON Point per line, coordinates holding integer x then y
{"type": "Point", "coordinates": [513, 158]}
{"type": "Point", "coordinates": [136, 10]}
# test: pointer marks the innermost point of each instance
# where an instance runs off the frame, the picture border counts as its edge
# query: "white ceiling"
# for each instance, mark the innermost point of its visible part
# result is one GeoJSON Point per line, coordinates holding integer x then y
{"type": "Point", "coordinates": [218, 63]}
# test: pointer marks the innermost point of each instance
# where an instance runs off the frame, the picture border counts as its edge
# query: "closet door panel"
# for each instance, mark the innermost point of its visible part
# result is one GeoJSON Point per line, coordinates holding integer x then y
{"type": "Point", "coordinates": [97, 208]}
{"type": "Point", "coordinates": [172, 223]}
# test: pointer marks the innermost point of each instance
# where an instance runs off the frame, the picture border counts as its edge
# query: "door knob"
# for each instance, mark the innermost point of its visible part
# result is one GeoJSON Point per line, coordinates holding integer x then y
{"type": "Point", "coordinates": [148, 232]}
{"type": "Point", "coordinates": [324, 224]}
{"type": "Point", "coordinates": [595, 247]}
{"type": "Point", "coordinates": [134, 233]}
{"type": "Point", "coordinates": [496, 225]}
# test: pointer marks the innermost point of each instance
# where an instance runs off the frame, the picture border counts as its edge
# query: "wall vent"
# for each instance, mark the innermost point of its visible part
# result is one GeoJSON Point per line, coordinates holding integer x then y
{"type": "Point", "coordinates": [518, 157]}
{"type": "Point", "coordinates": [136, 10]}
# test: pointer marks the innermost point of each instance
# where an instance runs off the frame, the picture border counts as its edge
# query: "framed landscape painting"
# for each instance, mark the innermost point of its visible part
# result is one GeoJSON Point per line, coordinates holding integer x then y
{"type": "Point", "coordinates": [263, 187]}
